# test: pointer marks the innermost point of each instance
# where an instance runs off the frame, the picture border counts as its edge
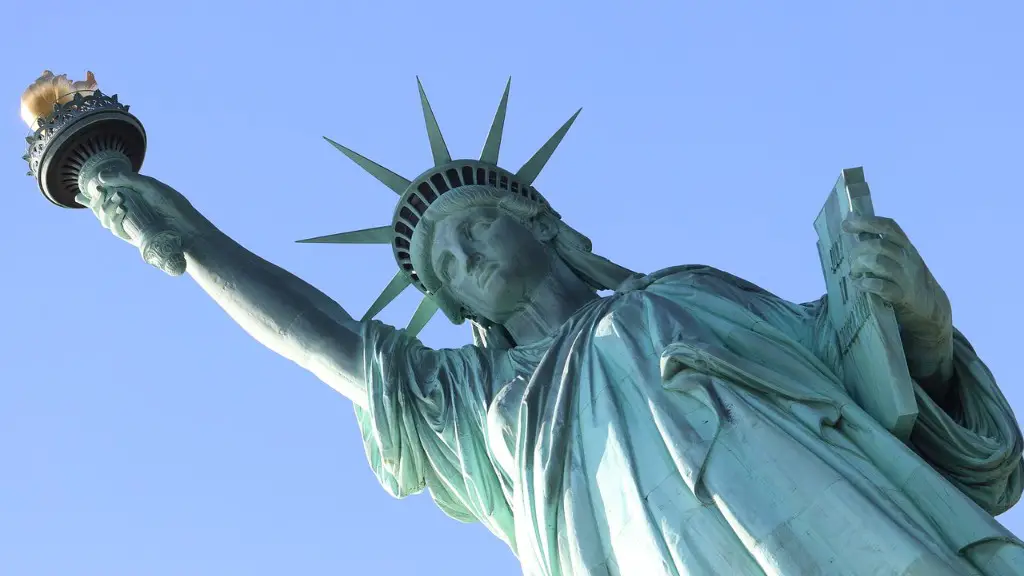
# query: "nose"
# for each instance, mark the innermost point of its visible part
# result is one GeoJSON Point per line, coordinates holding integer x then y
{"type": "Point", "coordinates": [469, 259]}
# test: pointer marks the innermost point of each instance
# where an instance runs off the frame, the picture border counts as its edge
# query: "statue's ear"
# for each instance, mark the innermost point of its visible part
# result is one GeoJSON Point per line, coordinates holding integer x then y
{"type": "Point", "coordinates": [544, 226]}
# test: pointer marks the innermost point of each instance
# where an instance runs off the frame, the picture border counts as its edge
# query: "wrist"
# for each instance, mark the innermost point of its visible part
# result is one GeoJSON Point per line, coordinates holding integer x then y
{"type": "Point", "coordinates": [193, 227]}
{"type": "Point", "coordinates": [201, 238]}
{"type": "Point", "coordinates": [930, 360]}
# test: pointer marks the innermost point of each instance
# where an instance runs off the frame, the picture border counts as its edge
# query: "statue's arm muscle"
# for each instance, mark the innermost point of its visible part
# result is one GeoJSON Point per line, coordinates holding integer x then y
{"type": "Point", "coordinates": [280, 310]}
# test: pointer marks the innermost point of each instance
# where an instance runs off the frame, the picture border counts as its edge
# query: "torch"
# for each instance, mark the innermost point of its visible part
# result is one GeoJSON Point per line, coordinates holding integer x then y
{"type": "Point", "coordinates": [79, 132]}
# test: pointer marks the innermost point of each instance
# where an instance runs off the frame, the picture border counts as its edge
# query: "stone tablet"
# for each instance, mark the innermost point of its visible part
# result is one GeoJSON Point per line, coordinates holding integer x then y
{"type": "Point", "coordinates": [874, 366]}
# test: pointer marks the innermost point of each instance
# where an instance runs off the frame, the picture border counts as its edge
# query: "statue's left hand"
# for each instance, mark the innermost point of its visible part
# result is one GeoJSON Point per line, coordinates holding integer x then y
{"type": "Point", "coordinates": [886, 263]}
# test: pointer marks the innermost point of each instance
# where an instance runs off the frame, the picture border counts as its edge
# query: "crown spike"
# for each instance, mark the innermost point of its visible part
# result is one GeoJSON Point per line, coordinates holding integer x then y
{"type": "Point", "coordinates": [529, 172]}
{"type": "Point", "coordinates": [397, 183]}
{"type": "Point", "coordinates": [398, 284]}
{"type": "Point", "coordinates": [489, 154]}
{"type": "Point", "coordinates": [424, 312]}
{"type": "Point", "coordinates": [437, 146]}
{"type": "Point", "coordinates": [378, 235]}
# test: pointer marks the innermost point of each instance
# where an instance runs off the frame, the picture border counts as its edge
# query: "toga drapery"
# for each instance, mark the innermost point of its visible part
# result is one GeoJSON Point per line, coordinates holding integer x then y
{"type": "Point", "coordinates": [693, 423]}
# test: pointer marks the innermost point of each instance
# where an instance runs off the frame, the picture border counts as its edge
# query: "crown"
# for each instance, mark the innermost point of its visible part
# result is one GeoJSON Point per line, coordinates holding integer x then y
{"type": "Point", "coordinates": [62, 116]}
{"type": "Point", "coordinates": [417, 195]}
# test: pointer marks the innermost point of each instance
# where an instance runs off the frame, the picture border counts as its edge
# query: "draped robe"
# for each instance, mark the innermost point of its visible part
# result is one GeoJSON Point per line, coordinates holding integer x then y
{"type": "Point", "coordinates": [693, 423]}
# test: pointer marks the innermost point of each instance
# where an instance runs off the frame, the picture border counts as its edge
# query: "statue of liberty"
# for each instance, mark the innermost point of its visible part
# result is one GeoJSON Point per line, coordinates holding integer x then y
{"type": "Point", "coordinates": [688, 422]}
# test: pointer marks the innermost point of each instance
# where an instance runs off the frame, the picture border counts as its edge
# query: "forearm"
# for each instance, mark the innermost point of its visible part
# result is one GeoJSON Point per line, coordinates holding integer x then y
{"type": "Point", "coordinates": [928, 341]}
{"type": "Point", "coordinates": [280, 310]}
{"type": "Point", "coordinates": [930, 361]}
{"type": "Point", "coordinates": [926, 331]}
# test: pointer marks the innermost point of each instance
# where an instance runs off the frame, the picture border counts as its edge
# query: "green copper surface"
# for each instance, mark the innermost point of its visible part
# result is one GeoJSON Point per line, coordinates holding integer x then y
{"type": "Point", "coordinates": [682, 421]}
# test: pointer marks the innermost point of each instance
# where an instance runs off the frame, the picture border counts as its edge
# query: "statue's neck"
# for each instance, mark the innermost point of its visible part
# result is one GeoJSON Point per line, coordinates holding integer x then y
{"type": "Point", "coordinates": [550, 305]}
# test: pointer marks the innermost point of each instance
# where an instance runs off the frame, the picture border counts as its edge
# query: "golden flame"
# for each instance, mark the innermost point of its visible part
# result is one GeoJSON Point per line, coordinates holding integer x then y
{"type": "Point", "coordinates": [39, 98]}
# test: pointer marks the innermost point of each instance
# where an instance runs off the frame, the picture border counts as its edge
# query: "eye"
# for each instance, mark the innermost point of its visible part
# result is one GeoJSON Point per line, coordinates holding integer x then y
{"type": "Point", "coordinates": [447, 268]}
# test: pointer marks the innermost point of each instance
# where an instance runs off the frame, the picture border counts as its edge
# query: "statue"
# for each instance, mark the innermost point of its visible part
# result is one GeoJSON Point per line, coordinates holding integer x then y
{"type": "Point", "coordinates": [688, 423]}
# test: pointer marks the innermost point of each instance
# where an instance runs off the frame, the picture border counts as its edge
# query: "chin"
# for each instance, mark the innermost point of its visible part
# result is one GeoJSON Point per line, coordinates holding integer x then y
{"type": "Point", "coordinates": [505, 294]}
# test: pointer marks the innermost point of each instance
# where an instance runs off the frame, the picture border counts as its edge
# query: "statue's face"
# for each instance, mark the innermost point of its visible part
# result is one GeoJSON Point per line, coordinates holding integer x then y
{"type": "Point", "coordinates": [489, 261]}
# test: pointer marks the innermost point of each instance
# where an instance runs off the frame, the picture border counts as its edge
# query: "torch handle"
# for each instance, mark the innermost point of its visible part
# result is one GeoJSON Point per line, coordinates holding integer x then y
{"type": "Point", "coordinates": [159, 244]}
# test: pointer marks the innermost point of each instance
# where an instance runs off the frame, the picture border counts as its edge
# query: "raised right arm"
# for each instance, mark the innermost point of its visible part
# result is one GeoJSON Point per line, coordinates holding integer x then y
{"type": "Point", "coordinates": [280, 310]}
{"type": "Point", "coordinates": [425, 425]}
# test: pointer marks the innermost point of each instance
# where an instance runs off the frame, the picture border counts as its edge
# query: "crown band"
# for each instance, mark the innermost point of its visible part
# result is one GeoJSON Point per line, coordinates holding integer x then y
{"type": "Point", "coordinates": [430, 186]}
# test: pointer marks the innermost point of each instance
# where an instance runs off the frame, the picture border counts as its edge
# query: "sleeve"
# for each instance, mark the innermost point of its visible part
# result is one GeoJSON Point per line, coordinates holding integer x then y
{"type": "Point", "coordinates": [975, 441]}
{"type": "Point", "coordinates": [423, 426]}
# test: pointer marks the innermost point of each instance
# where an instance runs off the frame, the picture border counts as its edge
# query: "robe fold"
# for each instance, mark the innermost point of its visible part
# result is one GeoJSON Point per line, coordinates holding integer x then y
{"type": "Point", "coordinates": [693, 423]}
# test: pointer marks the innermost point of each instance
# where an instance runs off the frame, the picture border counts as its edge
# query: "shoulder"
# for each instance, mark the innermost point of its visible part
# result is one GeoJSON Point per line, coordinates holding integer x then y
{"type": "Point", "coordinates": [389, 345]}
{"type": "Point", "coordinates": [690, 279]}
{"type": "Point", "coordinates": [697, 294]}
{"type": "Point", "coordinates": [700, 275]}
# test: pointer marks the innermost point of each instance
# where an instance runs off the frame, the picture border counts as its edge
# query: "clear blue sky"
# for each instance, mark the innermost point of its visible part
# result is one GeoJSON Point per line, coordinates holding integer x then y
{"type": "Point", "coordinates": [142, 432]}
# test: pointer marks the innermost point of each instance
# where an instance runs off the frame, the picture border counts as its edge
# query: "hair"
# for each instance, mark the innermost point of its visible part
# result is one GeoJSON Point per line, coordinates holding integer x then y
{"type": "Point", "coordinates": [572, 247]}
